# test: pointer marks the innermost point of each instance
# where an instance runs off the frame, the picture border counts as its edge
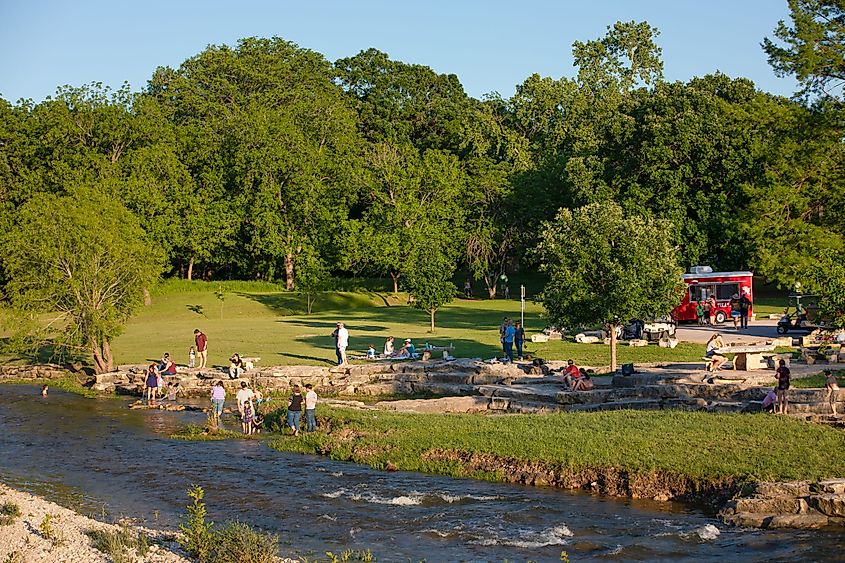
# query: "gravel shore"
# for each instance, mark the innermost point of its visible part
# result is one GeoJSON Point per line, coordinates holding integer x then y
{"type": "Point", "coordinates": [23, 541]}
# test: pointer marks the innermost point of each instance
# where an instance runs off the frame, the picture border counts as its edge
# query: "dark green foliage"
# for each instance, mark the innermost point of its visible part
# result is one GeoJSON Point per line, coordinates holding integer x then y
{"type": "Point", "coordinates": [9, 511]}
{"type": "Point", "coordinates": [197, 537]}
{"type": "Point", "coordinates": [236, 542]}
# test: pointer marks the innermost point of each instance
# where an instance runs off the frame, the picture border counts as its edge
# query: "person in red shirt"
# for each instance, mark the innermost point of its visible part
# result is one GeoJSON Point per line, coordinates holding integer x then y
{"type": "Point", "coordinates": [202, 347]}
{"type": "Point", "coordinates": [571, 374]}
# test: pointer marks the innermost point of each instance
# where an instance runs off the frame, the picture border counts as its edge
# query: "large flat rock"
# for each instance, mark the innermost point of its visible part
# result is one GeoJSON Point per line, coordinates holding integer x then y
{"type": "Point", "coordinates": [444, 405]}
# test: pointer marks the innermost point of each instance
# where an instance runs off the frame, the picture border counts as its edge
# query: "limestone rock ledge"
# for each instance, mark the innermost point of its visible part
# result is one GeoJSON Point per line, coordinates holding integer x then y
{"type": "Point", "coordinates": [797, 504]}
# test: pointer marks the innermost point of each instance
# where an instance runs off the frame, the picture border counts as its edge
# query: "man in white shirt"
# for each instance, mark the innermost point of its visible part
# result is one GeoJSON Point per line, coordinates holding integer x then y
{"type": "Point", "coordinates": [341, 342]}
{"type": "Point", "coordinates": [310, 409]}
{"type": "Point", "coordinates": [245, 395]}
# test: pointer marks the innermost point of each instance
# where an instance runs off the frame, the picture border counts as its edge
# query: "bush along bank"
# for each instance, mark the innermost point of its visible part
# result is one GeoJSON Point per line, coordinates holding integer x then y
{"type": "Point", "coordinates": [662, 455]}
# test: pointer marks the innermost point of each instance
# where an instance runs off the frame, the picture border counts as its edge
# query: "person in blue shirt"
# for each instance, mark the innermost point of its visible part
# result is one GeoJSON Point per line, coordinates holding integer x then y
{"type": "Point", "coordinates": [507, 340]}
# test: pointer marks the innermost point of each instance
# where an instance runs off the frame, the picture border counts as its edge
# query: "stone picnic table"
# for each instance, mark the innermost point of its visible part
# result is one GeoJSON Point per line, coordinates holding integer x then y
{"type": "Point", "coordinates": [748, 356]}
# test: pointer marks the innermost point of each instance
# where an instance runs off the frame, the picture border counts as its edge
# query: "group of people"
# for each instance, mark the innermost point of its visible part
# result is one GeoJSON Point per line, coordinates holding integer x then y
{"type": "Point", "coordinates": [407, 351]}
{"type": "Point", "coordinates": [706, 310]}
{"type": "Point", "coordinates": [511, 333]}
{"type": "Point", "coordinates": [252, 420]}
{"type": "Point", "coordinates": [154, 381]}
{"type": "Point", "coordinates": [577, 379]}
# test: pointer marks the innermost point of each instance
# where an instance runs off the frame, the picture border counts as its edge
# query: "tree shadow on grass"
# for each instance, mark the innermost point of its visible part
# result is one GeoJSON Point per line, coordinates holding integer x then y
{"type": "Point", "coordinates": [196, 309]}
{"type": "Point", "coordinates": [328, 361]}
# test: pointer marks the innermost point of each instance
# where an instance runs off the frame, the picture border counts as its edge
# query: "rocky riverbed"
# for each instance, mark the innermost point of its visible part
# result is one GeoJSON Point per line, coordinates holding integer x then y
{"type": "Point", "coordinates": [45, 532]}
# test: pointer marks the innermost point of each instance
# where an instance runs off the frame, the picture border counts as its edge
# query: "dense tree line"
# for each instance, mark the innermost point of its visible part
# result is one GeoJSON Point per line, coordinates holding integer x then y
{"type": "Point", "coordinates": [264, 160]}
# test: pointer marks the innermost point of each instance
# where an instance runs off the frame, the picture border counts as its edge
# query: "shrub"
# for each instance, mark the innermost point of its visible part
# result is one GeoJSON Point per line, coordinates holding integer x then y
{"type": "Point", "coordinates": [116, 543]}
{"type": "Point", "coordinates": [196, 532]}
{"type": "Point", "coordinates": [8, 512]}
{"type": "Point", "coordinates": [236, 542]}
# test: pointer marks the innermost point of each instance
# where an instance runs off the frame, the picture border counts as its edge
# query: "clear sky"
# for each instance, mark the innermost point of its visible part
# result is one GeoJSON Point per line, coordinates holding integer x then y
{"type": "Point", "coordinates": [491, 45]}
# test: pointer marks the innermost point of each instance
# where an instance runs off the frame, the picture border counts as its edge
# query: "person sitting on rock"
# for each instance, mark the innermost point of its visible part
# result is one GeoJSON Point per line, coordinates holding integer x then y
{"type": "Point", "coordinates": [583, 383]}
{"type": "Point", "coordinates": [571, 374]}
{"type": "Point", "coordinates": [167, 366]}
{"type": "Point", "coordinates": [716, 359]}
{"type": "Point", "coordinates": [236, 366]}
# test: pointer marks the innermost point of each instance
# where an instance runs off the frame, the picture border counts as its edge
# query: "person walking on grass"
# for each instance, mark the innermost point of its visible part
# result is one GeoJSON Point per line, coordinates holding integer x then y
{"type": "Point", "coordinates": [341, 342]}
{"type": "Point", "coordinates": [832, 387]}
{"type": "Point", "coordinates": [201, 341]}
{"type": "Point", "coordinates": [218, 397]}
{"type": "Point", "coordinates": [294, 410]}
{"type": "Point", "coordinates": [310, 408]}
{"type": "Point", "coordinates": [782, 374]}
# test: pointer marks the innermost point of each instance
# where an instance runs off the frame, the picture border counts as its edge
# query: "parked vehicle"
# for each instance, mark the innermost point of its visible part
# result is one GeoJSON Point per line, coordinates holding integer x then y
{"type": "Point", "coordinates": [663, 327]}
{"type": "Point", "coordinates": [702, 282]}
{"type": "Point", "coordinates": [802, 314]}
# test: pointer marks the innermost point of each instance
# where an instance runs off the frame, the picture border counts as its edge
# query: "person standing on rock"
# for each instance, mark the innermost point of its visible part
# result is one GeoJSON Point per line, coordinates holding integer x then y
{"type": "Point", "coordinates": [341, 342]}
{"type": "Point", "coordinates": [782, 374]}
{"type": "Point", "coordinates": [310, 409]}
{"type": "Point", "coordinates": [202, 347]}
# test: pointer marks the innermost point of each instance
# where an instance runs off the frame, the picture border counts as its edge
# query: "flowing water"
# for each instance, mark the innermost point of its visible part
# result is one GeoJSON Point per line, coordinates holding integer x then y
{"type": "Point", "coordinates": [106, 460]}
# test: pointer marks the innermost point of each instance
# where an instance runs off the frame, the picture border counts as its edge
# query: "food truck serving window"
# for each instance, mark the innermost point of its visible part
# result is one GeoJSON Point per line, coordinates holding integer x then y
{"type": "Point", "coordinates": [723, 291]}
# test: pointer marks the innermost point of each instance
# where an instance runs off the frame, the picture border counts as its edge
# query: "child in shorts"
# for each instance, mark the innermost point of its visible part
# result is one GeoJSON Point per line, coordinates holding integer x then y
{"type": "Point", "coordinates": [832, 387]}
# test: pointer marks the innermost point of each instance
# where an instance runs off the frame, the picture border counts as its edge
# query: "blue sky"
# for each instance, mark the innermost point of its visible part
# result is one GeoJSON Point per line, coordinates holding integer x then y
{"type": "Point", "coordinates": [490, 45]}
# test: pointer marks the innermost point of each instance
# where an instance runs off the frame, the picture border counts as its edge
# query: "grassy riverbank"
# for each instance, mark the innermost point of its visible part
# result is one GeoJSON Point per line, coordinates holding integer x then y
{"type": "Point", "coordinates": [671, 446]}
{"type": "Point", "coordinates": [257, 319]}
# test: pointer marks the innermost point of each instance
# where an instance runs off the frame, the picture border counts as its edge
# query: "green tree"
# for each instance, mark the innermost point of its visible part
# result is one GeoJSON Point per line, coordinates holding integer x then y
{"type": "Point", "coordinates": [605, 268]}
{"type": "Point", "coordinates": [826, 277]}
{"type": "Point", "coordinates": [84, 258]}
{"type": "Point", "coordinates": [813, 48]}
{"type": "Point", "coordinates": [428, 275]}
{"type": "Point", "coordinates": [312, 276]}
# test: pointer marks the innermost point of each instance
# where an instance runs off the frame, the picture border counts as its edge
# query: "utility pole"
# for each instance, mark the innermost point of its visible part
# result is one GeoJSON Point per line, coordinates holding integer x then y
{"type": "Point", "coordinates": [522, 304]}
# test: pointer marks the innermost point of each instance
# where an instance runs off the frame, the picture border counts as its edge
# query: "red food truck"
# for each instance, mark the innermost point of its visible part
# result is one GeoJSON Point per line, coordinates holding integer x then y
{"type": "Point", "coordinates": [702, 282]}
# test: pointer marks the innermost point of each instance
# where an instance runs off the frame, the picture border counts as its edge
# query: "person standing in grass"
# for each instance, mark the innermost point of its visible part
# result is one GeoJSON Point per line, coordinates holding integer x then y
{"type": "Point", "coordinates": [201, 341]}
{"type": "Point", "coordinates": [341, 342]}
{"type": "Point", "coordinates": [218, 397]}
{"type": "Point", "coordinates": [295, 410]}
{"type": "Point", "coordinates": [310, 408]}
{"type": "Point", "coordinates": [832, 387]}
{"type": "Point", "coordinates": [782, 374]}
{"type": "Point", "coordinates": [519, 338]}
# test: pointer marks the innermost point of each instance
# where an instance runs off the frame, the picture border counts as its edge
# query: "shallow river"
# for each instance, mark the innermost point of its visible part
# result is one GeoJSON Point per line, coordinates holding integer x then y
{"type": "Point", "coordinates": [107, 461]}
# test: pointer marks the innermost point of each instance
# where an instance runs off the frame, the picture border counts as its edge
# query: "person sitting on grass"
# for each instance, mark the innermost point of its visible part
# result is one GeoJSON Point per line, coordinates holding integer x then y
{"type": "Point", "coordinates": [716, 359]}
{"type": "Point", "coordinates": [832, 387]}
{"type": "Point", "coordinates": [389, 351]}
{"type": "Point", "coordinates": [371, 352]}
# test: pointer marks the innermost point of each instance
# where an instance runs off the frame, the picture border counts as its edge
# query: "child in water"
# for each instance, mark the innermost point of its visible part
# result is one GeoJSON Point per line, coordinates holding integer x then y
{"type": "Point", "coordinates": [44, 390]}
{"type": "Point", "coordinates": [247, 420]}
{"type": "Point", "coordinates": [192, 357]}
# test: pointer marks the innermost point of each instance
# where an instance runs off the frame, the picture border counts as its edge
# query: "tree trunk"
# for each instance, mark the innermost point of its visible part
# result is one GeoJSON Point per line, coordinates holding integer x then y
{"type": "Point", "coordinates": [309, 301]}
{"type": "Point", "coordinates": [148, 300]}
{"type": "Point", "coordinates": [102, 356]}
{"type": "Point", "coordinates": [395, 277]}
{"type": "Point", "coordinates": [613, 348]}
{"type": "Point", "coordinates": [432, 312]}
{"type": "Point", "coordinates": [191, 269]}
{"type": "Point", "coordinates": [289, 283]}
{"type": "Point", "coordinates": [491, 287]}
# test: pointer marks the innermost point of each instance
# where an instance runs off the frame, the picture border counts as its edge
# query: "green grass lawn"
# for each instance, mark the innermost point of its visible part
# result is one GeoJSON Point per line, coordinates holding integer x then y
{"type": "Point", "coordinates": [255, 319]}
{"type": "Point", "coordinates": [699, 445]}
{"type": "Point", "coordinates": [815, 381]}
